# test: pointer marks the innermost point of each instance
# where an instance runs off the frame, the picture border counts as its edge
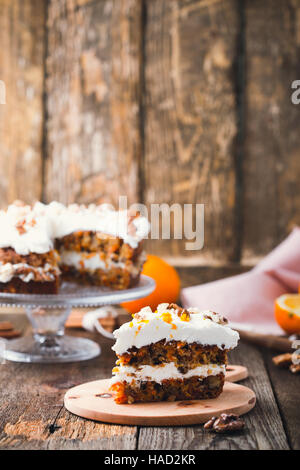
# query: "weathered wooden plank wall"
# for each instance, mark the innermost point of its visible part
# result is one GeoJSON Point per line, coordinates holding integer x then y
{"type": "Point", "coordinates": [271, 157]}
{"type": "Point", "coordinates": [191, 115]}
{"type": "Point", "coordinates": [22, 45]}
{"type": "Point", "coordinates": [93, 84]}
{"type": "Point", "coordinates": [179, 101]}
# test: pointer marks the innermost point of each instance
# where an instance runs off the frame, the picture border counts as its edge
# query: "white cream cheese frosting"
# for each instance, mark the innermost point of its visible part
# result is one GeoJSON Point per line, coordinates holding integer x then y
{"type": "Point", "coordinates": [24, 232]}
{"type": "Point", "coordinates": [89, 261]}
{"type": "Point", "coordinates": [163, 372]}
{"type": "Point", "coordinates": [8, 271]}
{"type": "Point", "coordinates": [33, 229]}
{"type": "Point", "coordinates": [146, 327]}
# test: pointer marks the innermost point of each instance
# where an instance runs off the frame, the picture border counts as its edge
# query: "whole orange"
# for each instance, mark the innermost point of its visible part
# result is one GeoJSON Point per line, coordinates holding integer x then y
{"type": "Point", "coordinates": [167, 285]}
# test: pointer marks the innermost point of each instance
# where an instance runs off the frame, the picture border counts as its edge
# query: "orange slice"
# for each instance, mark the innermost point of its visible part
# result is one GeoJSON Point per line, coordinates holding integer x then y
{"type": "Point", "coordinates": [287, 312]}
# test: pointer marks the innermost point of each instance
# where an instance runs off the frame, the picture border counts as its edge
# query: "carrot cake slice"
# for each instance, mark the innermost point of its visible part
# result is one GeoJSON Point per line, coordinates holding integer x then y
{"type": "Point", "coordinates": [171, 354]}
{"type": "Point", "coordinates": [44, 244]}
{"type": "Point", "coordinates": [28, 261]}
{"type": "Point", "coordinates": [99, 246]}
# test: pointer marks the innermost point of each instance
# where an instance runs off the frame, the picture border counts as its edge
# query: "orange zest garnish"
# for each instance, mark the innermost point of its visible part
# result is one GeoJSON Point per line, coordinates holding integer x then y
{"type": "Point", "coordinates": [131, 324]}
{"type": "Point", "coordinates": [185, 317]}
{"type": "Point", "coordinates": [143, 321]}
{"type": "Point", "coordinates": [20, 227]}
{"type": "Point", "coordinates": [32, 222]}
{"type": "Point", "coordinates": [166, 317]}
{"type": "Point", "coordinates": [139, 329]}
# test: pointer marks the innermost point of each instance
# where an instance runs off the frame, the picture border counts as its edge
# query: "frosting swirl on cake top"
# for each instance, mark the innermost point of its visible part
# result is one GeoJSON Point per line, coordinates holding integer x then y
{"type": "Point", "coordinates": [29, 229]}
{"type": "Point", "coordinates": [190, 325]}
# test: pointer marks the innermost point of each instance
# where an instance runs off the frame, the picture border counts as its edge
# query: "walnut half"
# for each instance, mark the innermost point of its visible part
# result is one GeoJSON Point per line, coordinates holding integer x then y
{"type": "Point", "coordinates": [225, 423]}
{"type": "Point", "coordinates": [283, 360]}
{"type": "Point", "coordinates": [216, 317]}
{"type": "Point", "coordinates": [176, 307]}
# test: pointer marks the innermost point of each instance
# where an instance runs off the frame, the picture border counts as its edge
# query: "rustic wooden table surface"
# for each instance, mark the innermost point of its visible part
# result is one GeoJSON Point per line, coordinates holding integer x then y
{"type": "Point", "coordinates": [32, 415]}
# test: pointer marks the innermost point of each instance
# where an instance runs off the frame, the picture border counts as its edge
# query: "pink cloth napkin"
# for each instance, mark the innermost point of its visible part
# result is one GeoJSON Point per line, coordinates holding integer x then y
{"type": "Point", "coordinates": [247, 300]}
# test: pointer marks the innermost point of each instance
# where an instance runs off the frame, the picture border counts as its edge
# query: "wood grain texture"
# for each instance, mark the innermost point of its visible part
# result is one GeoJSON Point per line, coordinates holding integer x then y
{"type": "Point", "coordinates": [287, 398]}
{"type": "Point", "coordinates": [264, 429]}
{"type": "Point", "coordinates": [93, 90]}
{"type": "Point", "coordinates": [93, 400]}
{"type": "Point", "coordinates": [190, 115]}
{"type": "Point", "coordinates": [236, 373]}
{"type": "Point", "coordinates": [143, 98]}
{"type": "Point", "coordinates": [32, 416]}
{"type": "Point", "coordinates": [271, 161]}
{"type": "Point", "coordinates": [22, 39]}
{"type": "Point", "coordinates": [31, 405]}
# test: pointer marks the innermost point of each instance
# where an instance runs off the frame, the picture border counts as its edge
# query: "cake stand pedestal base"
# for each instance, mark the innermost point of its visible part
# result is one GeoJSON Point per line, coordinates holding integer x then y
{"type": "Point", "coordinates": [48, 314]}
{"type": "Point", "coordinates": [64, 349]}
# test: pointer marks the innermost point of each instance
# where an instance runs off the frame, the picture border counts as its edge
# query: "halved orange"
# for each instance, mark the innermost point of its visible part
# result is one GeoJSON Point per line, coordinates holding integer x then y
{"type": "Point", "coordinates": [287, 312]}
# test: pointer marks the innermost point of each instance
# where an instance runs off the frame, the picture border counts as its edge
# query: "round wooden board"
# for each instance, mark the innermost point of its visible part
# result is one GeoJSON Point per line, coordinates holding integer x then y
{"type": "Point", "coordinates": [93, 400]}
{"type": "Point", "coordinates": [236, 373]}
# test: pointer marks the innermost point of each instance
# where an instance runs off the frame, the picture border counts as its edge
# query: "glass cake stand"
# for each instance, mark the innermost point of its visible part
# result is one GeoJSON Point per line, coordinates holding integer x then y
{"type": "Point", "coordinates": [48, 314]}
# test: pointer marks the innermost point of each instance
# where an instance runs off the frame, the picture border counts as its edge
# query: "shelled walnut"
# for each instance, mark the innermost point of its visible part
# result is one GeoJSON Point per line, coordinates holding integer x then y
{"type": "Point", "coordinates": [285, 361]}
{"type": "Point", "coordinates": [225, 423]}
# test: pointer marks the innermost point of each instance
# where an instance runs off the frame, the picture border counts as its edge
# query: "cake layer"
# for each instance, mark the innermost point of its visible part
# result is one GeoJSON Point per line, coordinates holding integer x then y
{"type": "Point", "coordinates": [16, 285]}
{"type": "Point", "coordinates": [95, 242]}
{"type": "Point", "coordinates": [115, 278]}
{"type": "Point", "coordinates": [98, 269]}
{"type": "Point", "coordinates": [87, 261]}
{"type": "Point", "coordinates": [28, 273]}
{"type": "Point", "coordinates": [9, 255]}
{"type": "Point", "coordinates": [169, 324]}
{"type": "Point", "coordinates": [164, 372]}
{"type": "Point", "coordinates": [33, 267]}
{"type": "Point", "coordinates": [97, 245]}
{"type": "Point", "coordinates": [193, 388]}
{"type": "Point", "coordinates": [180, 353]}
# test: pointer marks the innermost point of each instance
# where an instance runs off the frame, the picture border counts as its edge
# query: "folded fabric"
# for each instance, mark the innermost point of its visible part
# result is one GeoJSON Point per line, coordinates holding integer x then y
{"type": "Point", "coordinates": [247, 300]}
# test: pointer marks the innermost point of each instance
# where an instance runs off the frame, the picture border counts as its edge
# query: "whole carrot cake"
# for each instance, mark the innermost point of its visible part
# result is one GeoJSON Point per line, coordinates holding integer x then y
{"type": "Point", "coordinates": [171, 354]}
{"type": "Point", "coordinates": [44, 244]}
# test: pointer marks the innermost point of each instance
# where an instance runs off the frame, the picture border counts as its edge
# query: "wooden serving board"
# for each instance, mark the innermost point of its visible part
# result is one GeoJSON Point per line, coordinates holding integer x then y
{"type": "Point", "coordinates": [93, 400]}
{"type": "Point", "coordinates": [236, 373]}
